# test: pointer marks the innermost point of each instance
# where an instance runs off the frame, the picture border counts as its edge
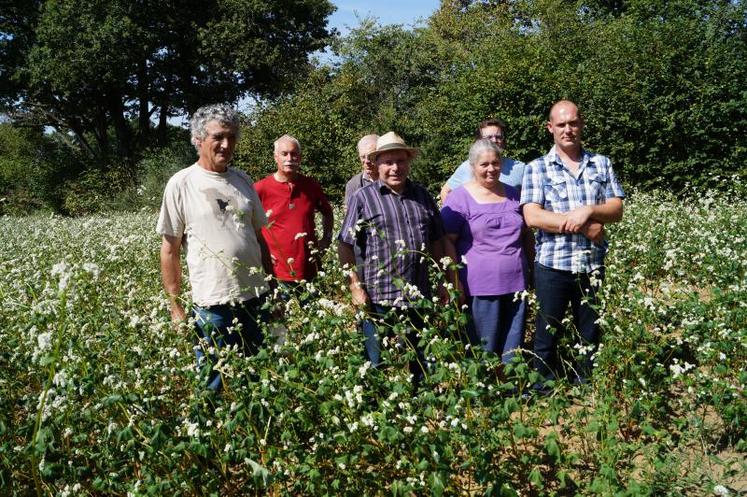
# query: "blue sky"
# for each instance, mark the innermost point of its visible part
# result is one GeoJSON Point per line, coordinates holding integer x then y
{"type": "Point", "coordinates": [405, 12]}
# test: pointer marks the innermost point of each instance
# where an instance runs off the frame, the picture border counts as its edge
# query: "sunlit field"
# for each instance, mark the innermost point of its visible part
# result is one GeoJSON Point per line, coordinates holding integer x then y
{"type": "Point", "coordinates": [99, 394]}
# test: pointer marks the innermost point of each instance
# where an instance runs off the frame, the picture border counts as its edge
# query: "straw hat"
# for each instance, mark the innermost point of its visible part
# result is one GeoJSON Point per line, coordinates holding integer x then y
{"type": "Point", "coordinates": [391, 141]}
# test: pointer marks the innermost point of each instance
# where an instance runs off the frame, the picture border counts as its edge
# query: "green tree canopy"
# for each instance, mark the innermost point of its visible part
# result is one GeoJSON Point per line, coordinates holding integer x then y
{"type": "Point", "coordinates": [661, 84]}
{"type": "Point", "coordinates": [104, 69]}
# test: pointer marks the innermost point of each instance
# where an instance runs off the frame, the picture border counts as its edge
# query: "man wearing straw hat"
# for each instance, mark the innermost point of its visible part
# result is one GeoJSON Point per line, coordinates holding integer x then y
{"type": "Point", "coordinates": [397, 228]}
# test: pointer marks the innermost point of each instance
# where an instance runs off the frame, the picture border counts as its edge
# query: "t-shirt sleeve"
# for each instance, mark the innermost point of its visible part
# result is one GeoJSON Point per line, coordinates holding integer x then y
{"type": "Point", "coordinates": [171, 218]}
{"type": "Point", "coordinates": [453, 214]}
{"type": "Point", "coordinates": [462, 174]}
{"type": "Point", "coordinates": [532, 190]}
{"type": "Point", "coordinates": [350, 224]}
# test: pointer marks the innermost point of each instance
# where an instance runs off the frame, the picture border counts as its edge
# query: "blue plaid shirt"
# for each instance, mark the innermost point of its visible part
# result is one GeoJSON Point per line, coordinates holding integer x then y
{"type": "Point", "coordinates": [549, 183]}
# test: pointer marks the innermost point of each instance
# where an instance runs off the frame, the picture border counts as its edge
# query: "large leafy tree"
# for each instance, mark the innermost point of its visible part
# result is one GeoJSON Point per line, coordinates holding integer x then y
{"type": "Point", "coordinates": [106, 70]}
{"type": "Point", "coordinates": [661, 84]}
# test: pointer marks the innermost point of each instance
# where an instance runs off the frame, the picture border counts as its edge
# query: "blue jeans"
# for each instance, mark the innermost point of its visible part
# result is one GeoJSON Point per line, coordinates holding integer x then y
{"type": "Point", "coordinates": [498, 323]}
{"type": "Point", "coordinates": [374, 332]}
{"type": "Point", "coordinates": [212, 324]}
{"type": "Point", "coordinates": [555, 290]}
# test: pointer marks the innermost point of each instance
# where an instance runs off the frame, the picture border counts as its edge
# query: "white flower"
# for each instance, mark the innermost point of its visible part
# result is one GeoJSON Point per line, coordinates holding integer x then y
{"type": "Point", "coordinates": [193, 429]}
{"type": "Point", "coordinates": [92, 268]}
{"type": "Point", "coordinates": [678, 370]}
{"type": "Point", "coordinates": [721, 491]}
{"type": "Point", "coordinates": [364, 368]}
{"type": "Point", "coordinates": [367, 420]}
{"type": "Point", "coordinates": [60, 378]}
{"type": "Point", "coordinates": [64, 271]}
{"type": "Point", "coordinates": [299, 235]}
{"type": "Point", "coordinates": [44, 341]}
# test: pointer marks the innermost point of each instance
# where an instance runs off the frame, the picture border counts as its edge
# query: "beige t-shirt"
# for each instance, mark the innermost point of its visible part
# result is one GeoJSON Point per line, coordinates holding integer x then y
{"type": "Point", "coordinates": [217, 216]}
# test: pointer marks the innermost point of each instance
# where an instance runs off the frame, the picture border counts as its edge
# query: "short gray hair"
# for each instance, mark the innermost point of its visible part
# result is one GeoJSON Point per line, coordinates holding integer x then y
{"type": "Point", "coordinates": [480, 146]}
{"type": "Point", "coordinates": [285, 138]}
{"type": "Point", "coordinates": [223, 113]}
{"type": "Point", "coordinates": [366, 140]}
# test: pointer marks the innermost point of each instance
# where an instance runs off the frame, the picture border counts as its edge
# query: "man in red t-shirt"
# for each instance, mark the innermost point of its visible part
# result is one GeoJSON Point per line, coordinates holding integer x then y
{"type": "Point", "coordinates": [290, 200]}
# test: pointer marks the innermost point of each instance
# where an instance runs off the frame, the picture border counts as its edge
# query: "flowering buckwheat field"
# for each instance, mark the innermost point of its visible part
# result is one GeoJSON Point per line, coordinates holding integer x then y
{"type": "Point", "coordinates": [100, 395]}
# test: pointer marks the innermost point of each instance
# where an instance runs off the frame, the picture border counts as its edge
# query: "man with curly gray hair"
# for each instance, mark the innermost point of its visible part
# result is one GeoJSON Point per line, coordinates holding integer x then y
{"type": "Point", "coordinates": [222, 113]}
{"type": "Point", "coordinates": [213, 211]}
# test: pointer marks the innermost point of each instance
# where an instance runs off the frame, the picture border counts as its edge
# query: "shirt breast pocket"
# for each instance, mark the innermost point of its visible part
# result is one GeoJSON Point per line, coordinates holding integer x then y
{"type": "Point", "coordinates": [556, 191]}
{"type": "Point", "coordinates": [598, 187]}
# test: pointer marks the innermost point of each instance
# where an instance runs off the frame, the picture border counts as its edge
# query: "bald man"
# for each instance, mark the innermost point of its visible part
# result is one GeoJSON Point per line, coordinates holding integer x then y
{"type": "Point", "coordinates": [568, 195]}
{"type": "Point", "coordinates": [369, 173]}
{"type": "Point", "coordinates": [291, 200]}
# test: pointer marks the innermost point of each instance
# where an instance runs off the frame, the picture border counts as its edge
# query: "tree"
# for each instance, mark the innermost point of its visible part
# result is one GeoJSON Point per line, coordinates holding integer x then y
{"type": "Point", "coordinates": [661, 84]}
{"type": "Point", "coordinates": [104, 69]}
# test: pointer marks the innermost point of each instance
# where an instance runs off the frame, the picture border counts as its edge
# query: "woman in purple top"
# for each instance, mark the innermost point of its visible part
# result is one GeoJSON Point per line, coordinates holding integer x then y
{"type": "Point", "coordinates": [483, 220]}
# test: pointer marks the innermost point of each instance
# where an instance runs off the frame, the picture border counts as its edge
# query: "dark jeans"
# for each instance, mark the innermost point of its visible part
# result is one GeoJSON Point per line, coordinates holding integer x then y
{"type": "Point", "coordinates": [498, 324]}
{"type": "Point", "coordinates": [555, 290]}
{"type": "Point", "coordinates": [375, 331]}
{"type": "Point", "coordinates": [215, 324]}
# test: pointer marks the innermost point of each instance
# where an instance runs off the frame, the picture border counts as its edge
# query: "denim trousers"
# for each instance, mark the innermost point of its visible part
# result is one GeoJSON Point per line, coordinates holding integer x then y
{"type": "Point", "coordinates": [555, 290]}
{"type": "Point", "coordinates": [497, 323]}
{"type": "Point", "coordinates": [215, 327]}
{"type": "Point", "coordinates": [379, 325]}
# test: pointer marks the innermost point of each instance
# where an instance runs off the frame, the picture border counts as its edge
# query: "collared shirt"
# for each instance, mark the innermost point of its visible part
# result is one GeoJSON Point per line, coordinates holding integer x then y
{"type": "Point", "coordinates": [354, 184]}
{"type": "Point", "coordinates": [290, 208]}
{"type": "Point", "coordinates": [512, 172]}
{"type": "Point", "coordinates": [393, 233]}
{"type": "Point", "coordinates": [549, 183]}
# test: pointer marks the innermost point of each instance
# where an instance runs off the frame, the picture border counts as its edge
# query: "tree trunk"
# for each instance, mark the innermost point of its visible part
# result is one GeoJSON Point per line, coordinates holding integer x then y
{"type": "Point", "coordinates": [122, 132]}
{"type": "Point", "coordinates": [143, 111]}
{"type": "Point", "coordinates": [163, 122]}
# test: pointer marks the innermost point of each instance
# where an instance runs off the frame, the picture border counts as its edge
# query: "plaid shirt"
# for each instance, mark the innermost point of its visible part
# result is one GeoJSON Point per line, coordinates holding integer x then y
{"type": "Point", "coordinates": [392, 233]}
{"type": "Point", "coordinates": [550, 184]}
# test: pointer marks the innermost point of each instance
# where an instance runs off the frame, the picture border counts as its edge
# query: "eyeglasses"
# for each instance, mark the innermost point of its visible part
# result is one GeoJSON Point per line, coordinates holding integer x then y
{"type": "Point", "coordinates": [493, 137]}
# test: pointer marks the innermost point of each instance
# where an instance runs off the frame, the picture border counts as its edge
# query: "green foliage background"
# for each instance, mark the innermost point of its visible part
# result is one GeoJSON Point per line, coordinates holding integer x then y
{"type": "Point", "coordinates": [661, 85]}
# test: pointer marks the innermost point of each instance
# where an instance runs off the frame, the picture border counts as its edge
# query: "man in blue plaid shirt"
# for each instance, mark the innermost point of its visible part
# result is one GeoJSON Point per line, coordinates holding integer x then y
{"type": "Point", "coordinates": [569, 195]}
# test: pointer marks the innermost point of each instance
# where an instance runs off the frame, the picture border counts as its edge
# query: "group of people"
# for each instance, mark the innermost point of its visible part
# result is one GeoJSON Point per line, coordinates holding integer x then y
{"type": "Point", "coordinates": [236, 232]}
